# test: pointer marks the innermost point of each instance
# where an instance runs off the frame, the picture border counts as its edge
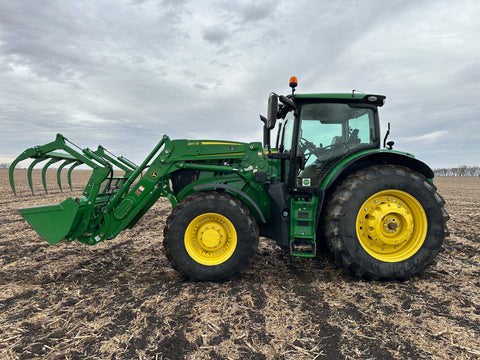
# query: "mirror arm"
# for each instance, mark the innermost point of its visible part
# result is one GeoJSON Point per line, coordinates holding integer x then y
{"type": "Point", "coordinates": [288, 102]}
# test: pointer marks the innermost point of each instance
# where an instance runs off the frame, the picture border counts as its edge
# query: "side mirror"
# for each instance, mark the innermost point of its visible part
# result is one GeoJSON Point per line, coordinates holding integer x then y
{"type": "Point", "coordinates": [272, 111]}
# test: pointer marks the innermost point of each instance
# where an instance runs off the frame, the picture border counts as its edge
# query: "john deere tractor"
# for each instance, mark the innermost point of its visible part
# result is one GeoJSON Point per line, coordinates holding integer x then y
{"type": "Point", "coordinates": [326, 180]}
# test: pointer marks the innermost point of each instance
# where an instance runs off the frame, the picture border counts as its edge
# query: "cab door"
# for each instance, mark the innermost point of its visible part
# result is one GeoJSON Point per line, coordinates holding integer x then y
{"type": "Point", "coordinates": [327, 133]}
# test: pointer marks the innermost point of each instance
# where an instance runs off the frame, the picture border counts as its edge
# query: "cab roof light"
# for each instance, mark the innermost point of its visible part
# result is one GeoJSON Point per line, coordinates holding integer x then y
{"type": "Point", "coordinates": [293, 83]}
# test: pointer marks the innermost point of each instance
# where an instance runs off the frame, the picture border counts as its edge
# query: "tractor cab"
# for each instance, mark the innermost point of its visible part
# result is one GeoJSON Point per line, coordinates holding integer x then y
{"type": "Point", "coordinates": [315, 134]}
{"type": "Point", "coordinates": [317, 131]}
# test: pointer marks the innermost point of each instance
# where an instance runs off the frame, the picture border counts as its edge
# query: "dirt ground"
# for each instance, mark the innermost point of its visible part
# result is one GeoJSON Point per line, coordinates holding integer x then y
{"type": "Point", "coordinates": [120, 299]}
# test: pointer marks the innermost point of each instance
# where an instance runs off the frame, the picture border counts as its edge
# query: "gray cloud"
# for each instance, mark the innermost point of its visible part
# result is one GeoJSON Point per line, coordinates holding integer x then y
{"type": "Point", "coordinates": [124, 73]}
{"type": "Point", "coordinates": [215, 35]}
{"type": "Point", "coordinates": [251, 12]}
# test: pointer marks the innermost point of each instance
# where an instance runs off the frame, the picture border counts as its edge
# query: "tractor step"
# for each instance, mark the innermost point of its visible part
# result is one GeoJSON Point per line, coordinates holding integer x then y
{"type": "Point", "coordinates": [303, 250]}
{"type": "Point", "coordinates": [303, 255]}
{"type": "Point", "coordinates": [302, 226]}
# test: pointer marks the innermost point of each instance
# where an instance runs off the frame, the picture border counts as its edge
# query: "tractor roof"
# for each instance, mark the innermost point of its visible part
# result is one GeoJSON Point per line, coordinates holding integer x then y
{"type": "Point", "coordinates": [378, 100]}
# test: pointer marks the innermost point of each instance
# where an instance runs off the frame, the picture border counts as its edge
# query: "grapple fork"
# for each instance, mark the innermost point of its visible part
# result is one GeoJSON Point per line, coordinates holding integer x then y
{"type": "Point", "coordinates": [49, 152]}
{"type": "Point", "coordinates": [70, 219]}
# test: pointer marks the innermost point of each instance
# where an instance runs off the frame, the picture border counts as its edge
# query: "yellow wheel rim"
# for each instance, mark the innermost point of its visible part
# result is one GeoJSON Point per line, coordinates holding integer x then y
{"type": "Point", "coordinates": [210, 239]}
{"type": "Point", "coordinates": [391, 225]}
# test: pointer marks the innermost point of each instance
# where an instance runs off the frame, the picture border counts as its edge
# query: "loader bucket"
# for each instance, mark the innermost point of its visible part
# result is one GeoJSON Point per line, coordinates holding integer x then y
{"type": "Point", "coordinates": [53, 222]}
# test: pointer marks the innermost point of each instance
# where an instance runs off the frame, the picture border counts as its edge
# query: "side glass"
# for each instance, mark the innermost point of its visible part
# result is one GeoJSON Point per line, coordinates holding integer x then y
{"type": "Point", "coordinates": [327, 133]}
{"type": "Point", "coordinates": [286, 135]}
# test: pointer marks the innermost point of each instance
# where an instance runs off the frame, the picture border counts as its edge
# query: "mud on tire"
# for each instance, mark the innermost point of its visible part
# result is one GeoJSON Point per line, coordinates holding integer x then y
{"type": "Point", "coordinates": [210, 236]}
{"type": "Point", "coordinates": [385, 222]}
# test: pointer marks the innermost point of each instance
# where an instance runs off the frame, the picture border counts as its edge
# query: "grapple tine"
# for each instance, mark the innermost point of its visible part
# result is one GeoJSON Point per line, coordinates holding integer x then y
{"type": "Point", "coordinates": [44, 172]}
{"type": "Point", "coordinates": [29, 172]}
{"type": "Point", "coordinates": [10, 174]}
{"type": "Point", "coordinates": [59, 171]}
{"type": "Point", "coordinates": [25, 155]}
{"type": "Point", "coordinates": [77, 163]}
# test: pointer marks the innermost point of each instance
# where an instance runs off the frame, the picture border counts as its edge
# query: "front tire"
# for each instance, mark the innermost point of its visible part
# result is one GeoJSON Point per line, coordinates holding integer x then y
{"type": "Point", "coordinates": [385, 222]}
{"type": "Point", "coordinates": [210, 236]}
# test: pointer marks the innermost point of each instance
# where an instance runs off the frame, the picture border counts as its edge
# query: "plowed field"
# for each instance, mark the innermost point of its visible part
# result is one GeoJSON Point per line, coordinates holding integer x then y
{"type": "Point", "coordinates": [120, 299]}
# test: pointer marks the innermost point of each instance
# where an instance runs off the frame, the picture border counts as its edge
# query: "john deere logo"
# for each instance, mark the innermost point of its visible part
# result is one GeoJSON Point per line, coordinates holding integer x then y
{"type": "Point", "coordinates": [154, 174]}
{"type": "Point", "coordinates": [306, 182]}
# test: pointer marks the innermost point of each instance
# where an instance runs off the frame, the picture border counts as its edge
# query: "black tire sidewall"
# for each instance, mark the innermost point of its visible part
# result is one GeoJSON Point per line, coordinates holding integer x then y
{"type": "Point", "coordinates": [391, 178]}
{"type": "Point", "coordinates": [225, 205]}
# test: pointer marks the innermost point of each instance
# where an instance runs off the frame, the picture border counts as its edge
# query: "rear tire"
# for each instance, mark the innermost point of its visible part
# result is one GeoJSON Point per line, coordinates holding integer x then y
{"type": "Point", "coordinates": [385, 222]}
{"type": "Point", "coordinates": [210, 236]}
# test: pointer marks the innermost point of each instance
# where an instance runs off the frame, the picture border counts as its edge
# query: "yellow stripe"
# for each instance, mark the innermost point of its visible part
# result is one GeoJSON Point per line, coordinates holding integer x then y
{"type": "Point", "coordinates": [219, 143]}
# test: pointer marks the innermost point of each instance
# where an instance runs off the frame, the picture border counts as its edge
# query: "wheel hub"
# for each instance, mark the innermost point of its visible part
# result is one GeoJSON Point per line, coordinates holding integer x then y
{"type": "Point", "coordinates": [392, 225]}
{"type": "Point", "coordinates": [211, 237]}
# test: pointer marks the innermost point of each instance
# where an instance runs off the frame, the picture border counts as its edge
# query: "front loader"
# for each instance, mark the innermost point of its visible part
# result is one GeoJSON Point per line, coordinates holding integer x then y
{"type": "Point", "coordinates": [325, 180]}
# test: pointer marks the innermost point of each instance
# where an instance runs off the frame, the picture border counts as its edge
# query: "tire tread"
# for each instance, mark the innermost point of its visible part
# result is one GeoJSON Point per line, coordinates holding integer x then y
{"type": "Point", "coordinates": [334, 215]}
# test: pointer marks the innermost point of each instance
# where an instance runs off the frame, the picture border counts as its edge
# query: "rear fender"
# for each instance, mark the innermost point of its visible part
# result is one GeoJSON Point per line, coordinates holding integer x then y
{"type": "Point", "coordinates": [368, 158]}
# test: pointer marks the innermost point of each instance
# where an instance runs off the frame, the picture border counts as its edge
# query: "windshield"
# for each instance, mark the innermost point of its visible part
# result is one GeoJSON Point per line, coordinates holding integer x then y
{"type": "Point", "coordinates": [326, 124]}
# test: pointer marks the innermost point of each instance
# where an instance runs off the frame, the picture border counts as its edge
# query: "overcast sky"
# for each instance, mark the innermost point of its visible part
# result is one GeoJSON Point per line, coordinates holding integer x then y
{"type": "Point", "coordinates": [123, 73]}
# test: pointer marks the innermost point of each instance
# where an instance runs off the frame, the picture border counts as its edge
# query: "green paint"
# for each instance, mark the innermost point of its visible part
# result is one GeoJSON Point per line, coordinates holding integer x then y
{"type": "Point", "coordinates": [352, 157]}
{"type": "Point", "coordinates": [111, 204]}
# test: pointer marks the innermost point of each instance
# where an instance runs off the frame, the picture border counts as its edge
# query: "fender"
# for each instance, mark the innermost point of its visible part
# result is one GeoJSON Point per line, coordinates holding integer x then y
{"type": "Point", "coordinates": [373, 157]}
{"type": "Point", "coordinates": [235, 190]}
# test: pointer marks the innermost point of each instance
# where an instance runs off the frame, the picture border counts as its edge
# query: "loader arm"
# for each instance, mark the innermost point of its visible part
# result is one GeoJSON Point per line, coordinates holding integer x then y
{"type": "Point", "coordinates": [110, 204]}
{"type": "Point", "coordinates": [153, 176]}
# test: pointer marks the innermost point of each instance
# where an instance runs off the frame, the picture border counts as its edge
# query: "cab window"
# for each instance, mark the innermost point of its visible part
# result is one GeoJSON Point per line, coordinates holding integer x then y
{"type": "Point", "coordinates": [327, 132]}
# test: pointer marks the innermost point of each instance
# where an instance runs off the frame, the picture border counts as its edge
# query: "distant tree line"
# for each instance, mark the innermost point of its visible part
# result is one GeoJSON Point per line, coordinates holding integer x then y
{"type": "Point", "coordinates": [462, 170]}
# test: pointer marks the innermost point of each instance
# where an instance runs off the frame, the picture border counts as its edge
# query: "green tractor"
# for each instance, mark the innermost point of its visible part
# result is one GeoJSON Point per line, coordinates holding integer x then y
{"type": "Point", "coordinates": [326, 181]}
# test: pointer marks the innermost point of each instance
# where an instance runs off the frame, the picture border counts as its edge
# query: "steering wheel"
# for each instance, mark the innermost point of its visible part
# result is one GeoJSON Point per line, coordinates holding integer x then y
{"type": "Point", "coordinates": [306, 147]}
